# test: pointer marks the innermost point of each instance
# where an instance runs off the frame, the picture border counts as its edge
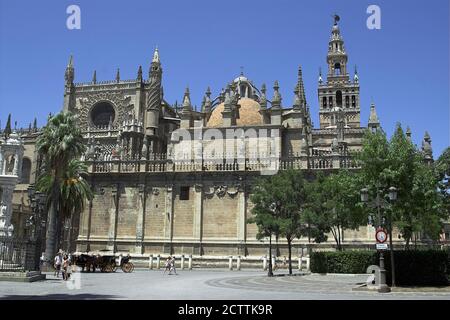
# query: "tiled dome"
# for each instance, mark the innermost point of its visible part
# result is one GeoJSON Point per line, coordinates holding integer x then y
{"type": "Point", "coordinates": [248, 114]}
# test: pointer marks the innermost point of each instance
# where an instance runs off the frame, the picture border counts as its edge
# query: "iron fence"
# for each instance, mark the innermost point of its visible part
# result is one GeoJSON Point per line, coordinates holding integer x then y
{"type": "Point", "coordinates": [17, 254]}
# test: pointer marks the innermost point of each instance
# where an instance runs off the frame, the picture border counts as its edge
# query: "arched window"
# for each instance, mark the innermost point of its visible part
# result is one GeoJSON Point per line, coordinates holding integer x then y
{"type": "Point", "coordinates": [102, 114]}
{"type": "Point", "coordinates": [347, 101]}
{"type": "Point", "coordinates": [330, 102]}
{"type": "Point", "coordinates": [353, 102]}
{"type": "Point", "coordinates": [337, 68]}
{"type": "Point", "coordinates": [339, 98]}
{"type": "Point", "coordinates": [26, 171]}
{"type": "Point", "coordinates": [324, 102]}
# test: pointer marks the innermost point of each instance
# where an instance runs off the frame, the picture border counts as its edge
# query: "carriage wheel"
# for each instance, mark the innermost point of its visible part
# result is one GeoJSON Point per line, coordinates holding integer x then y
{"type": "Point", "coordinates": [109, 267]}
{"type": "Point", "coordinates": [127, 267]}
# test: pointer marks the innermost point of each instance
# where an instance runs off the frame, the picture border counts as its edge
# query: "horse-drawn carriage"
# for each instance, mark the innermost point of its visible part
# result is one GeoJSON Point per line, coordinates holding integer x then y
{"type": "Point", "coordinates": [106, 263]}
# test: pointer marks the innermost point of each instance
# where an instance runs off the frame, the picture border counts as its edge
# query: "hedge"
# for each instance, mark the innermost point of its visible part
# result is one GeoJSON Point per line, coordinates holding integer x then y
{"type": "Point", "coordinates": [412, 267]}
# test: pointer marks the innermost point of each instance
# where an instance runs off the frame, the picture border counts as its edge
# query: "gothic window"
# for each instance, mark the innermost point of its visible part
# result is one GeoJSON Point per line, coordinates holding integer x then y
{"type": "Point", "coordinates": [337, 68]}
{"type": "Point", "coordinates": [9, 165]}
{"type": "Point", "coordinates": [184, 193]}
{"type": "Point", "coordinates": [26, 171]}
{"type": "Point", "coordinates": [102, 114]}
{"type": "Point", "coordinates": [347, 102]}
{"type": "Point", "coordinates": [339, 98]}
{"type": "Point", "coordinates": [330, 100]}
{"type": "Point", "coordinates": [324, 102]}
{"type": "Point", "coordinates": [353, 102]}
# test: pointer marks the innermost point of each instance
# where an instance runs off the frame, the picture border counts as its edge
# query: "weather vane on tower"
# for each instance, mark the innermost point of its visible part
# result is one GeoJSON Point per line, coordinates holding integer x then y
{"type": "Point", "coordinates": [336, 19]}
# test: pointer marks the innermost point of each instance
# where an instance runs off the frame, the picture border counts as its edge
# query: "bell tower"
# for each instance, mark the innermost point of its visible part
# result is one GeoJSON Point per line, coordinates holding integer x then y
{"type": "Point", "coordinates": [338, 92]}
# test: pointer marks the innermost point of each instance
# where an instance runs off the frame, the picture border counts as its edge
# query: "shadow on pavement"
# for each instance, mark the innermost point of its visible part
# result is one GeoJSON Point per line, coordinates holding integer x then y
{"type": "Point", "coordinates": [60, 296]}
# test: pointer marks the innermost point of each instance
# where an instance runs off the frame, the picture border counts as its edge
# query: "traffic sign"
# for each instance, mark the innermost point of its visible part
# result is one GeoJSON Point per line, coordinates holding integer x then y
{"type": "Point", "coordinates": [382, 246]}
{"type": "Point", "coordinates": [381, 235]}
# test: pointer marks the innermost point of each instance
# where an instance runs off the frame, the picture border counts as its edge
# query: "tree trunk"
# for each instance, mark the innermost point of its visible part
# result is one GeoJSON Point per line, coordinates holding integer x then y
{"type": "Point", "coordinates": [289, 241]}
{"type": "Point", "coordinates": [50, 234]}
{"type": "Point", "coordinates": [270, 273]}
{"type": "Point", "coordinates": [407, 243]}
{"type": "Point", "coordinates": [392, 253]}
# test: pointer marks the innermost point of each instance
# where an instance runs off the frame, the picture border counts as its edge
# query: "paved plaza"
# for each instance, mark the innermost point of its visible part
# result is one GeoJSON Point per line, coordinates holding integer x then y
{"type": "Point", "coordinates": [205, 284]}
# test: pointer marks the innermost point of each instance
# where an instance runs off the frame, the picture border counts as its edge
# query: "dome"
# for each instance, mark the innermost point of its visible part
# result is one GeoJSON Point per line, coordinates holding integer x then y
{"type": "Point", "coordinates": [241, 78]}
{"type": "Point", "coordinates": [248, 114]}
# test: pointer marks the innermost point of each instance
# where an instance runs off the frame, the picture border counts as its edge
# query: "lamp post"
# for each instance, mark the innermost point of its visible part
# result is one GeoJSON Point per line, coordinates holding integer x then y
{"type": "Point", "coordinates": [379, 203]}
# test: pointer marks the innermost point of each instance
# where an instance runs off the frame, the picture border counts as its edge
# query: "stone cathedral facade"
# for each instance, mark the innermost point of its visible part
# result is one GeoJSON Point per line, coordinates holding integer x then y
{"type": "Point", "coordinates": [172, 179]}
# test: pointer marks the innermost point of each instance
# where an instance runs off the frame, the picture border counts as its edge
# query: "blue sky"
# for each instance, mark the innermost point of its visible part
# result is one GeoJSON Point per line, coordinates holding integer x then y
{"type": "Point", "coordinates": [403, 67]}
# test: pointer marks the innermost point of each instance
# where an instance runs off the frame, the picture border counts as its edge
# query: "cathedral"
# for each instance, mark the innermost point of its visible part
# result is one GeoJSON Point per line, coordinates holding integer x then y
{"type": "Point", "coordinates": [170, 179]}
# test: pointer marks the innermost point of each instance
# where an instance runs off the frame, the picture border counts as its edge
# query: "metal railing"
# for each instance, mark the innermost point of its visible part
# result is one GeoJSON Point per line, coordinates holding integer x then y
{"type": "Point", "coordinates": [17, 254]}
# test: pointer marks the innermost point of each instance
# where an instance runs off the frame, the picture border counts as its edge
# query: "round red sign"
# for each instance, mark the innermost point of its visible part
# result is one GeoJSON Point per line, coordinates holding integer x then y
{"type": "Point", "coordinates": [381, 235]}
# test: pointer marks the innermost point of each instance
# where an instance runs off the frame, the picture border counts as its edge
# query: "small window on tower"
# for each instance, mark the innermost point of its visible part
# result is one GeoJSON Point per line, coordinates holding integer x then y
{"type": "Point", "coordinates": [330, 102]}
{"type": "Point", "coordinates": [184, 193]}
{"type": "Point", "coordinates": [337, 68]}
{"type": "Point", "coordinates": [324, 102]}
{"type": "Point", "coordinates": [353, 102]}
{"type": "Point", "coordinates": [347, 102]}
{"type": "Point", "coordinates": [339, 98]}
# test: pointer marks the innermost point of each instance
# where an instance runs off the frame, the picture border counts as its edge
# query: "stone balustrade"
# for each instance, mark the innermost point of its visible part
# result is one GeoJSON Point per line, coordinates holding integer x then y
{"type": "Point", "coordinates": [160, 165]}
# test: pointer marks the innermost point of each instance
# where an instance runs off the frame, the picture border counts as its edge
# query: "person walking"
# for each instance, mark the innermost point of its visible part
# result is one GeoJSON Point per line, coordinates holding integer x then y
{"type": "Point", "coordinates": [167, 265]}
{"type": "Point", "coordinates": [65, 268]}
{"type": "Point", "coordinates": [57, 264]}
{"type": "Point", "coordinates": [172, 266]}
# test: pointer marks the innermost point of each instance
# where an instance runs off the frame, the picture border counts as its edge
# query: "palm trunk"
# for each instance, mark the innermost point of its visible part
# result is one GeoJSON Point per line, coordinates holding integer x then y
{"type": "Point", "coordinates": [289, 241]}
{"type": "Point", "coordinates": [51, 234]}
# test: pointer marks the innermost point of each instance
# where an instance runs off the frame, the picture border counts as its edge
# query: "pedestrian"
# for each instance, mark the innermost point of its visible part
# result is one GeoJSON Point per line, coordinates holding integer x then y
{"type": "Point", "coordinates": [65, 267]}
{"type": "Point", "coordinates": [57, 264]}
{"type": "Point", "coordinates": [41, 261]}
{"type": "Point", "coordinates": [167, 264]}
{"type": "Point", "coordinates": [172, 266]}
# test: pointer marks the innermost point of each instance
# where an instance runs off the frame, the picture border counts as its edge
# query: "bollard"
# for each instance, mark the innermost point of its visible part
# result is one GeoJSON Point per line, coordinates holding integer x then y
{"type": "Point", "coordinates": [265, 263]}
{"type": "Point", "coordinates": [273, 262]}
{"type": "Point", "coordinates": [238, 263]}
{"type": "Point", "coordinates": [230, 263]}
{"type": "Point", "coordinates": [182, 262]}
{"type": "Point", "coordinates": [299, 263]}
{"type": "Point", "coordinates": [158, 260]}
{"type": "Point", "coordinates": [190, 262]}
{"type": "Point", "coordinates": [150, 262]}
{"type": "Point", "coordinates": [307, 264]}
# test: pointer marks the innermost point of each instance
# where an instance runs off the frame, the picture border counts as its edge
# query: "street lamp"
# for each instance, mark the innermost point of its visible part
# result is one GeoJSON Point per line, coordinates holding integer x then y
{"type": "Point", "coordinates": [392, 193]}
{"type": "Point", "coordinates": [379, 203]}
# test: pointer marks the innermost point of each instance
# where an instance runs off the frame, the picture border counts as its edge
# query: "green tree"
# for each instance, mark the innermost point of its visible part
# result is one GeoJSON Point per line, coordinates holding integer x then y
{"type": "Point", "coordinates": [331, 205]}
{"type": "Point", "coordinates": [314, 221]}
{"type": "Point", "coordinates": [442, 168]}
{"type": "Point", "coordinates": [279, 201]}
{"type": "Point", "coordinates": [398, 163]}
{"type": "Point", "coordinates": [59, 143]}
{"type": "Point", "coordinates": [73, 193]}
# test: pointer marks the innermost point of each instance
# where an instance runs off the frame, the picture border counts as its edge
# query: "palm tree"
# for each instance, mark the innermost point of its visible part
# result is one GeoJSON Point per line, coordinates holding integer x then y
{"type": "Point", "coordinates": [74, 190]}
{"type": "Point", "coordinates": [60, 142]}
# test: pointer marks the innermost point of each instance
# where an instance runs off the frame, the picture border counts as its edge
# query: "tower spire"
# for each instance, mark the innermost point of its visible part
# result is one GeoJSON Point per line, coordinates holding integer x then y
{"type": "Point", "coordinates": [300, 98]}
{"type": "Point", "coordinates": [276, 100]}
{"type": "Point", "coordinates": [374, 122]}
{"type": "Point", "coordinates": [118, 75]}
{"type": "Point", "coordinates": [187, 107]}
{"type": "Point", "coordinates": [139, 74]}
{"type": "Point", "coordinates": [94, 77]}
{"type": "Point", "coordinates": [156, 56]}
